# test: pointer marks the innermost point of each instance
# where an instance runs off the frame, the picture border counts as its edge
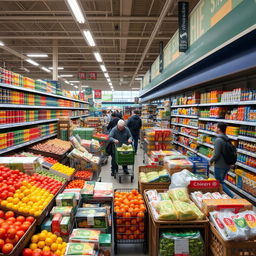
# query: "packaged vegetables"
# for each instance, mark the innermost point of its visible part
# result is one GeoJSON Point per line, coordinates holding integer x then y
{"type": "Point", "coordinates": [155, 176]}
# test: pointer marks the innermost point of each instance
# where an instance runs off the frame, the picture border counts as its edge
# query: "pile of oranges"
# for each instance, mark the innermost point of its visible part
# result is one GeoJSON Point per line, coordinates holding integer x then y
{"type": "Point", "coordinates": [130, 211]}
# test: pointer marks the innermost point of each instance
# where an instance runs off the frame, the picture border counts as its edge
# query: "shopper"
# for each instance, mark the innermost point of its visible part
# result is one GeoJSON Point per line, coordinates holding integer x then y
{"type": "Point", "coordinates": [223, 158]}
{"type": "Point", "coordinates": [113, 122]}
{"type": "Point", "coordinates": [119, 135]}
{"type": "Point", "coordinates": [134, 124]}
{"type": "Point", "coordinates": [106, 118]}
{"type": "Point", "coordinates": [119, 114]}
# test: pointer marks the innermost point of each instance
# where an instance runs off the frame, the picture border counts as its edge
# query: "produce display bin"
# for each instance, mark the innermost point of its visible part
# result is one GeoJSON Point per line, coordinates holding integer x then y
{"type": "Point", "coordinates": [119, 223]}
{"type": "Point", "coordinates": [154, 185]}
{"type": "Point", "coordinates": [124, 157]}
{"type": "Point", "coordinates": [220, 247]}
{"type": "Point", "coordinates": [17, 249]}
{"type": "Point", "coordinates": [155, 226]}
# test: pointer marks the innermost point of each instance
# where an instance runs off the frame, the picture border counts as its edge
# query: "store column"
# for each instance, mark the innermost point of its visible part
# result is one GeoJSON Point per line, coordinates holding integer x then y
{"type": "Point", "coordinates": [55, 60]}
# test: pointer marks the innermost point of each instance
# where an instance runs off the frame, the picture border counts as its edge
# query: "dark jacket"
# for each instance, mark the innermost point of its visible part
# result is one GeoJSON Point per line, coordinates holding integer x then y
{"type": "Point", "coordinates": [119, 114]}
{"type": "Point", "coordinates": [218, 158]}
{"type": "Point", "coordinates": [122, 136]}
{"type": "Point", "coordinates": [113, 123]}
{"type": "Point", "coordinates": [134, 124]}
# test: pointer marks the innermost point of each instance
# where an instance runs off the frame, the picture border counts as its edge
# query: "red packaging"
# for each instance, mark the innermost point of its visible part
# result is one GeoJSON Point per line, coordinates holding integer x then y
{"type": "Point", "coordinates": [56, 224]}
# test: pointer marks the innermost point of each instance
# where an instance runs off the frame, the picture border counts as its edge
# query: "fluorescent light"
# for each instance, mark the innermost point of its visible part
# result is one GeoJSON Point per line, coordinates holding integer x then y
{"type": "Point", "coordinates": [138, 79]}
{"type": "Point", "coordinates": [59, 68]}
{"type": "Point", "coordinates": [1, 43]}
{"type": "Point", "coordinates": [74, 81]}
{"type": "Point", "coordinates": [66, 75]}
{"type": "Point", "coordinates": [135, 88]}
{"type": "Point", "coordinates": [37, 55]}
{"type": "Point", "coordinates": [66, 81]}
{"type": "Point", "coordinates": [46, 69]}
{"type": "Point", "coordinates": [103, 68]}
{"type": "Point", "coordinates": [89, 38]}
{"type": "Point", "coordinates": [77, 12]}
{"type": "Point", "coordinates": [97, 56]}
{"type": "Point", "coordinates": [85, 86]}
{"type": "Point", "coordinates": [76, 86]}
{"type": "Point", "coordinates": [106, 75]}
{"type": "Point", "coordinates": [108, 79]}
{"type": "Point", "coordinates": [32, 62]}
{"type": "Point", "coordinates": [110, 84]}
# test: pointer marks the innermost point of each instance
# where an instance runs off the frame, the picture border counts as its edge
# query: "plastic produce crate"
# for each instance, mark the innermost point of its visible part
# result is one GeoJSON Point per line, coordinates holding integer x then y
{"type": "Point", "coordinates": [124, 157]}
{"type": "Point", "coordinates": [200, 165]}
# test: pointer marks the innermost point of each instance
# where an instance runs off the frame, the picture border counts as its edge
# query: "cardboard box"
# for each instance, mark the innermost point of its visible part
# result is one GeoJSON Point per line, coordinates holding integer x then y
{"type": "Point", "coordinates": [65, 226]}
{"type": "Point", "coordinates": [66, 199]}
{"type": "Point", "coordinates": [56, 220]}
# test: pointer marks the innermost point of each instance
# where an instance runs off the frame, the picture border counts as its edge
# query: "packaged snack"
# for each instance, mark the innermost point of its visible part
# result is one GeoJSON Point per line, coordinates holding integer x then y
{"type": "Point", "coordinates": [85, 205]}
{"type": "Point", "coordinates": [225, 196]}
{"type": "Point", "coordinates": [208, 196]}
{"type": "Point", "coordinates": [179, 194]}
{"type": "Point", "coordinates": [65, 226]}
{"type": "Point", "coordinates": [250, 218]}
{"type": "Point", "coordinates": [82, 235]}
{"type": "Point", "coordinates": [164, 176]}
{"type": "Point", "coordinates": [67, 211]}
{"type": "Point", "coordinates": [91, 218]}
{"type": "Point", "coordinates": [200, 215]}
{"type": "Point", "coordinates": [184, 211]}
{"type": "Point", "coordinates": [166, 210]}
{"type": "Point", "coordinates": [216, 195]}
{"type": "Point", "coordinates": [103, 190]}
{"type": "Point", "coordinates": [47, 225]}
{"type": "Point", "coordinates": [241, 224]}
{"type": "Point", "coordinates": [163, 196]}
{"type": "Point", "coordinates": [56, 224]}
{"type": "Point", "coordinates": [143, 177]}
{"type": "Point", "coordinates": [181, 243]}
{"type": "Point", "coordinates": [105, 244]}
{"type": "Point", "coordinates": [197, 197]}
{"type": "Point", "coordinates": [152, 176]}
{"type": "Point", "coordinates": [76, 191]}
{"type": "Point", "coordinates": [80, 249]}
{"type": "Point", "coordinates": [88, 190]}
{"type": "Point", "coordinates": [66, 199]}
{"type": "Point", "coordinates": [214, 218]}
{"type": "Point", "coordinates": [152, 195]}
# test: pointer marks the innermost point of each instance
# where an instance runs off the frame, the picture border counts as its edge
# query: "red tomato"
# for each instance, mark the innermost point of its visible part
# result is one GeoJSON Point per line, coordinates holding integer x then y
{"type": "Point", "coordinates": [7, 248]}
{"type": "Point", "coordinates": [13, 240]}
{"type": "Point", "coordinates": [11, 233]}
{"type": "Point", "coordinates": [20, 219]}
{"type": "Point", "coordinates": [1, 221]}
{"type": "Point", "coordinates": [5, 226]}
{"type": "Point", "coordinates": [30, 219]}
{"type": "Point", "coordinates": [27, 252]}
{"type": "Point", "coordinates": [20, 233]}
{"type": "Point", "coordinates": [1, 243]}
{"type": "Point", "coordinates": [12, 219]}
{"type": "Point", "coordinates": [9, 214]}
{"type": "Point", "coordinates": [17, 223]}
{"type": "Point", "coordinates": [26, 223]}
{"type": "Point", "coordinates": [36, 253]}
{"type": "Point", "coordinates": [24, 227]}
{"type": "Point", "coordinates": [1, 214]}
{"type": "Point", "coordinates": [46, 253]}
{"type": "Point", "coordinates": [2, 232]}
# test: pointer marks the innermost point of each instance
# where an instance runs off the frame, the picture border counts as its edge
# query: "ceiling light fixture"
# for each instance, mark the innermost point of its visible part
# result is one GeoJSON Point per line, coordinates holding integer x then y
{"type": "Point", "coordinates": [76, 10]}
{"type": "Point", "coordinates": [103, 68]}
{"type": "Point", "coordinates": [1, 43]}
{"type": "Point", "coordinates": [135, 88]}
{"type": "Point", "coordinates": [59, 68]}
{"type": "Point", "coordinates": [46, 69]}
{"type": "Point", "coordinates": [74, 81]}
{"type": "Point", "coordinates": [110, 84]}
{"type": "Point", "coordinates": [37, 55]}
{"type": "Point", "coordinates": [66, 75]}
{"type": "Point", "coordinates": [106, 75]}
{"type": "Point", "coordinates": [108, 79]}
{"type": "Point", "coordinates": [138, 78]}
{"type": "Point", "coordinates": [76, 86]}
{"type": "Point", "coordinates": [65, 81]}
{"type": "Point", "coordinates": [85, 86]}
{"type": "Point", "coordinates": [32, 62]}
{"type": "Point", "coordinates": [89, 38]}
{"type": "Point", "coordinates": [97, 56]}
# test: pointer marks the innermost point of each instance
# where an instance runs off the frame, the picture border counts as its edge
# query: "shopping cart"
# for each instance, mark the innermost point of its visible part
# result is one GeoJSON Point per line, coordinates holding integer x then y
{"type": "Point", "coordinates": [124, 158]}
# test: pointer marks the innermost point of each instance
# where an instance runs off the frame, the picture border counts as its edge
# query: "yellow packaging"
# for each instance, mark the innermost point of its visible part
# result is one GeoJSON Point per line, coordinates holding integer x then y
{"type": "Point", "coordinates": [200, 215]}
{"type": "Point", "coordinates": [184, 210]}
{"type": "Point", "coordinates": [179, 194]}
{"type": "Point", "coordinates": [166, 210]}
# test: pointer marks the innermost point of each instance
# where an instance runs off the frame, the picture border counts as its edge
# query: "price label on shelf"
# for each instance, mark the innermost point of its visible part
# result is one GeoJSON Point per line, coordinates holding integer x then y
{"type": "Point", "coordinates": [181, 247]}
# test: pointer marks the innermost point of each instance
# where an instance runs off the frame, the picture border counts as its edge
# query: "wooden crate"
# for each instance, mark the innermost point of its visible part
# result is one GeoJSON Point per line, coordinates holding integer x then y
{"type": "Point", "coordinates": [220, 247]}
{"type": "Point", "coordinates": [154, 185]}
{"type": "Point", "coordinates": [156, 225]}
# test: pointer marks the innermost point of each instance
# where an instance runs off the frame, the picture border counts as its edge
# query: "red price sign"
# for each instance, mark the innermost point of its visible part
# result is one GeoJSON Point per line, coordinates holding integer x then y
{"type": "Point", "coordinates": [92, 76]}
{"type": "Point", "coordinates": [97, 94]}
{"type": "Point", "coordinates": [81, 76]}
{"type": "Point", "coordinates": [199, 184]}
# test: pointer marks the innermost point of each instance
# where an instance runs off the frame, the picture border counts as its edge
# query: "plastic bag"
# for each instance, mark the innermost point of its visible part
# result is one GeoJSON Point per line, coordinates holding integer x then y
{"type": "Point", "coordinates": [166, 210]}
{"type": "Point", "coordinates": [164, 176]}
{"type": "Point", "coordinates": [181, 243]}
{"type": "Point", "coordinates": [250, 217]}
{"type": "Point", "coordinates": [152, 176]}
{"type": "Point", "coordinates": [184, 210]}
{"type": "Point", "coordinates": [152, 195]}
{"type": "Point", "coordinates": [163, 196]}
{"type": "Point", "coordinates": [182, 179]}
{"type": "Point", "coordinates": [179, 194]}
{"type": "Point", "coordinates": [199, 214]}
{"type": "Point", "coordinates": [214, 218]}
{"type": "Point", "coordinates": [143, 177]}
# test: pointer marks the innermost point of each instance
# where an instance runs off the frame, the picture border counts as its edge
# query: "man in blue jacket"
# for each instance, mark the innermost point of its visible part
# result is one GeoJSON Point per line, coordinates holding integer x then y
{"type": "Point", "coordinates": [134, 124]}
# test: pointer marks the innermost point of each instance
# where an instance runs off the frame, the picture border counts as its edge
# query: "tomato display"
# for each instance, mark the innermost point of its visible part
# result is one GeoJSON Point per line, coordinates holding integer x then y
{"type": "Point", "coordinates": [76, 184]}
{"type": "Point", "coordinates": [84, 175]}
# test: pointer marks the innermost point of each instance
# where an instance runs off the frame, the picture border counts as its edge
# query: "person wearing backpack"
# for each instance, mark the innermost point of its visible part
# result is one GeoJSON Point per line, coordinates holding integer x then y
{"type": "Point", "coordinates": [224, 156]}
{"type": "Point", "coordinates": [134, 124]}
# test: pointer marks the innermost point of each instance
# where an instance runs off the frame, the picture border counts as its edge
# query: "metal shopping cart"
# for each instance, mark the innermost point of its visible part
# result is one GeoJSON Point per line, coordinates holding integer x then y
{"type": "Point", "coordinates": [124, 158]}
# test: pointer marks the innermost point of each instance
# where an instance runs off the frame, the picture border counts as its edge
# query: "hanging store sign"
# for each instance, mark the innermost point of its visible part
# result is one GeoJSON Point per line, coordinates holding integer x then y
{"type": "Point", "coordinates": [183, 26]}
{"type": "Point", "coordinates": [161, 56]}
{"type": "Point", "coordinates": [92, 76]}
{"type": "Point", "coordinates": [81, 76]}
{"type": "Point", "coordinates": [88, 91]}
{"type": "Point", "coordinates": [97, 94]}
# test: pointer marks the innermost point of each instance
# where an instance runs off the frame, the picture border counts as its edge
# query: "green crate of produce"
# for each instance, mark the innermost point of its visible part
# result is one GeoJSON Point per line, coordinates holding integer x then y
{"type": "Point", "coordinates": [124, 157]}
{"type": "Point", "coordinates": [84, 133]}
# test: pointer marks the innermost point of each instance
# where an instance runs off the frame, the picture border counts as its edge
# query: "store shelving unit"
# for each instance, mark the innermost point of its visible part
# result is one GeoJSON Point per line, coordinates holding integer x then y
{"type": "Point", "coordinates": [25, 144]}
{"type": "Point", "coordinates": [227, 121]}
{"type": "Point", "coordinates": [245, 152]}
{"type": "Point", "coordinates": [247, 167]}
{"type": "Point", "coordinates": [187, 135]}
{"type": "Point", "coordinates": [246, 138]}
{"type": "Point", "coordinates": [185, 116]}
{"type": "Point", "coordinates": [184, 125]}
{"type": "Point", "coordinates": [185, 106]}
{"type": "Point", "coordinates": [215, 134]}
{"type": "Point", "coordinates": [206, 144]}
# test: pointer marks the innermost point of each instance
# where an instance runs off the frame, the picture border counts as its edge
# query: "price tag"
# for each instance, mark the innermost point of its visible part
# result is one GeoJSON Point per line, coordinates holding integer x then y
{"type": "Point", "coordinates": [90, 220]}
{"type": "Point", "coordinates": [181, 247]}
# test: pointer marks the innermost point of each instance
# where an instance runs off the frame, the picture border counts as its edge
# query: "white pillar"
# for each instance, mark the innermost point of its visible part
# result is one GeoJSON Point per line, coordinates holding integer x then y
{"type": "Point", "coordinates": [55, 60]}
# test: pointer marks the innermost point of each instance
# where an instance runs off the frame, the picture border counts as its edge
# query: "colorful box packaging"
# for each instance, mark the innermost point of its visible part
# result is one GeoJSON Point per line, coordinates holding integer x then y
{"type": "Point", "coordinates": [105, 244]}
{"type": "Point", "coordinates": [80, 249]}
{"type": "Point", "coordinates": [65, 226]}
{"type": "Point", "coordinates": [47, 225]}
{"type": "Point", "coordinates": [67, 211]}
{"type": "Point", "coordinates": [56, 220]}
{"type": "Point", "coordinates": [66, 199]}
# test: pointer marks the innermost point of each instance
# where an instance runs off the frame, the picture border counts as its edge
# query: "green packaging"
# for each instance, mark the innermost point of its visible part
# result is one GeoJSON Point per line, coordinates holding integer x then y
{"type": "Point", "coordinates": [80, 249]}
{"type": "Point", "coordinates": [105, 244]}
{"type": "Point", "coordinates": [67, 211]}
{"type": "Point", "coordinates": [66, 199]}
{"type": "Point", "coordinates": [65, 226]}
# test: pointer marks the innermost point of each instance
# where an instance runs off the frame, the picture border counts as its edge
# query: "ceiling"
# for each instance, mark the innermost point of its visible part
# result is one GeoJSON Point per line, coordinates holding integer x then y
{"type": "Point", "coordinates": [122, 31]}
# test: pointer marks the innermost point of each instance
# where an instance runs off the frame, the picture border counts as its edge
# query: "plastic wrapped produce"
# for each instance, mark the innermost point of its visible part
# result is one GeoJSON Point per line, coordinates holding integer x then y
{"type": "Point", "coordinates": [166, 210]}
{"type": "Point", "coordinates": [250, 217]}
{"type": "Point", "coordinates": [185, 211]}
{"type": "Point", "coordinates": [181, 243]}
{"type": "Point", "coordinates": [179, 194]}
{"type": "Point", "coordinates": [200, 215]}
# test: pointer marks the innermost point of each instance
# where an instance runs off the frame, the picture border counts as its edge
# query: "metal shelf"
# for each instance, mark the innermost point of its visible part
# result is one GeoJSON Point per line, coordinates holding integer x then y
{"type": "Point", "coordinates": [185, 116]}
{"type": "Point", "coordinates": [242, 192]}
{"type": "Point", "coordinates": [6, 126]}
{"type": "Point", "coordinates": [37, 107]}
{"type": "Point", "coordinates": [187, 135]}
{"type": "Point", "coordinates": [245, 152]}
{"type": "Point", "coordinates": [184, 125]}
{"type": "Point", "coordinates": [188, 148]}
{"type": "Point", "coordinates": [240, 137]}
{"type": "Point", "coordinates": [185, 106]}
{"type": "Point", "coordinates": [249, 168]}
{"type": "Point", "coordinates": [228, 121]}
{"type": "Point", "coordinates": [27, 143]}
{"type": "Point", "coordinates": [252, 102]}
{"type": "Point", "coordinates": [215, 134]}
{"type": "Point", "coordinates": [8, 86]}
{"type": "Point", "coordinates": [206, 144]}
{"type": "Point", "coordinates": [203, 156]}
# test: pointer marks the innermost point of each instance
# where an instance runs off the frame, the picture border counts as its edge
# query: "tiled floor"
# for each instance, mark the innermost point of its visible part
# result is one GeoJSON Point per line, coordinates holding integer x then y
{"type": "Point", "coordinates": [125, 250]}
